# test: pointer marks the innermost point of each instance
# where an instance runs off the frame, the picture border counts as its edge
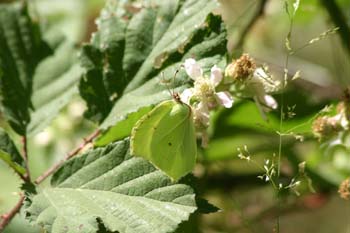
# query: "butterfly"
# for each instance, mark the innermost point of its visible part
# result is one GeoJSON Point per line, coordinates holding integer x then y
{"type": "Point", "coordinates": [166, 137]}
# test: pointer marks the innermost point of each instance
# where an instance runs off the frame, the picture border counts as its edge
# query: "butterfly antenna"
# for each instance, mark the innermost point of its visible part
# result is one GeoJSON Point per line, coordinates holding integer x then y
{"type": "Point", "coordinates": [166, 83]}
{"type": "Point", "coordinates": [176, 72]}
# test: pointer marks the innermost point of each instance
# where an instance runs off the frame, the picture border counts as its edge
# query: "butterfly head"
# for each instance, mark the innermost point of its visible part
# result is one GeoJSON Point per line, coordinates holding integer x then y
{"type": "Point", "coordinates": [176, 97]}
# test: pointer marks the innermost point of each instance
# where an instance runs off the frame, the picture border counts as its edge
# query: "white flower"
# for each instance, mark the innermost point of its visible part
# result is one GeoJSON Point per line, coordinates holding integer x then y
{"type": "Point", "coordinates": [204, 88]}
{"type": "Point", "coordinates": [192, 68]}
{"type": "Point", "coordinates": [186, 95]}
{"type": "Point", "coordinates": [216, 75]}
{"type": "Point", "coordinates": [260, 73]}
{"type": "Point", "coordinates": [259, 85]}
{"type": "Point", "coordinates": [225, 99]}
{"type": "Point", "coordinates": [201, 113]}
{"type": "Point", "coordinates": [270, 102]}
{"type": "Point", "coordinates": [203, 97]}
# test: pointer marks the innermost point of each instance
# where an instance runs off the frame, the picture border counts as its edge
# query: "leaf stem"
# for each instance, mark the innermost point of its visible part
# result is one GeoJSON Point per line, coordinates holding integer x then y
{"type": "Point", "coordinates": [74, 152]}
{"type": "Point", "coordinates": [25, 157]}
{"type": "Point", "coordinates": [7, 217]}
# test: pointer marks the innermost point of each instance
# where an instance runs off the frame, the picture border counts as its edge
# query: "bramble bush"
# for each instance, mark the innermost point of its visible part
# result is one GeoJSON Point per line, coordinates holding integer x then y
{"type": "Point", "coordinates": [157, 80]}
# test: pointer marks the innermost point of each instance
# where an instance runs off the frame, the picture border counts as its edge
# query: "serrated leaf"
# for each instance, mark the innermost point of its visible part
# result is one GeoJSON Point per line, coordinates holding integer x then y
{"type": "Point", "coordinates": [127, 194]}
{"type": "Point", "coordinates": [34, 86]}
{"type": "Point", "coordinates": [10, 155]}
{"type": "Point", "coordinates": [102, 59]}
{"type": "Point", "coordinates": [54, 84]}
{"type": "Point", "coordinates": [157, 41]}
{"type": "Point", "coordinates": [21, 49]}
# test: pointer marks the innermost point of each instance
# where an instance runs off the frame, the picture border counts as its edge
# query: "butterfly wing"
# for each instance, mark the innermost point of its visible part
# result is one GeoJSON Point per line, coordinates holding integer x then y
{"type": "Point", "coordinates": [143, 130]}
{"type": "Point", "coordinates": [173, 145]}
{"type": "Point", "coordinates": [168, 138]}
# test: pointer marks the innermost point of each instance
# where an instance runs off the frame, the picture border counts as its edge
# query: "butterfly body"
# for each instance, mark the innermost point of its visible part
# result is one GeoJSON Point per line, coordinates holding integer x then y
{"type": "Point", "coordinates": [166, 137]}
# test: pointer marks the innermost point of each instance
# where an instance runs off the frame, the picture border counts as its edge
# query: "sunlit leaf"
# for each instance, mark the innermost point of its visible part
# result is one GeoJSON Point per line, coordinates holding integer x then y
{"type": "Point", "coordinates": [157, 40]}
{"type": "Point", "coordinates": [54, 84]}
{"type": "Point", "coordinates": [126, 194]}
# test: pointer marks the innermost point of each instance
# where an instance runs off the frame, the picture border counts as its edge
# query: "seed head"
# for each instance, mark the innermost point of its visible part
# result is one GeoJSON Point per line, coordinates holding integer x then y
{"type": "Point", "coordinates": [325, 126]}
{"type": "Point", "coordinates": [241, 69]}
{"type": "Point", "coordinates": [344, 189]}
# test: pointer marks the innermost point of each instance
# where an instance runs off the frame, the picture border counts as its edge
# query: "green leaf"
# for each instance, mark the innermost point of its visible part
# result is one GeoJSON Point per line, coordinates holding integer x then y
{"type": "Point", "coordinates": [127, 194]}
{"type": "Point", "coordinates": [10, 155]}
{"type": "Point", "coordinates": [55, 83]}
{"type": "Point", "coordinates": [34, 86]}
{"type": "Point", "coordinates": [206, 207]}
{"type": "Point", "coordinates": [122, 129]}
{"type": "Point", "coordinates": [21, 49]}
{"type": "Point", "coordinates": [157, 40]}
{"type": "Point", "coordinates": [102, 59]}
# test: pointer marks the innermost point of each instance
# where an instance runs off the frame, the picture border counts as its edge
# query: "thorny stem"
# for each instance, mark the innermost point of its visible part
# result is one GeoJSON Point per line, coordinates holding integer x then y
{"type": "Point", "coordinates": [6, 218]}
{"type": "Point", "coordinates": [68, 156]}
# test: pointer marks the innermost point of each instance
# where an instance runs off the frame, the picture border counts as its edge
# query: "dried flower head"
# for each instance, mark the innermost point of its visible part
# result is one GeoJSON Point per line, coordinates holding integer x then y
{"type": "Point", "coordinates": [343, 109]}
{"type": "Point", "coordinates": [241, 69]}
{"type": "Point", "coordinates": [253, 82]}
{"type": "Point", "coordinates": [344, 189]}
{"type": "Point", "coordinates": [325, 126]}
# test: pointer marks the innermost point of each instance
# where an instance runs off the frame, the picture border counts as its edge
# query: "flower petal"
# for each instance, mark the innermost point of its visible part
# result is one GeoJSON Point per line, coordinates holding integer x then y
{"type": "Point", "coordinates": [201, 113]}
{"type": "Point", "coordinates": [270, 102]}
{"type": "Point", "coordinates": [260, 73]}
{"type": "Point", "coordinates": [225, 99]}
{"type": "Point", "coordinates": [186, 95]}
{"type": "Point", "coordinates": [216, 75]}
{"type": "Point", "coordinates": [192, 68]}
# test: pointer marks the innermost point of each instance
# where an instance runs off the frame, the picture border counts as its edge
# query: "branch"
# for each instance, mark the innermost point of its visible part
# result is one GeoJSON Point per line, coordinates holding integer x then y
{"type": "Point", "coordinates": [339, 20]}
{"type": "Point", "coordinates": [259, 12]}
{"type": "Point", "coordinates": [6, 218]}
{"type": "Point", "coordinates": [56, 166]}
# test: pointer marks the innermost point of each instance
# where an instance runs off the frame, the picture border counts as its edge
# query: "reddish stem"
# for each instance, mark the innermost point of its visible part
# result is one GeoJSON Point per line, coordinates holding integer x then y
{"type": "Point", "coordinates": [6, 218]}
{"type": "Point", "coordinates": [56, 166]}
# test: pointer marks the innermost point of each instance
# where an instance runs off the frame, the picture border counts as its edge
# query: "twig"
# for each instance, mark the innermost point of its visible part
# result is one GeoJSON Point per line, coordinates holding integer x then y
{"type": "Point", "coordinates": [6, 218]}
{"type": "Point", "coordinates": [259, 12]}
{"type": "Point", "coordinates": [56, 166]}
{"type": "Point", "coordinates": [339, 20]}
